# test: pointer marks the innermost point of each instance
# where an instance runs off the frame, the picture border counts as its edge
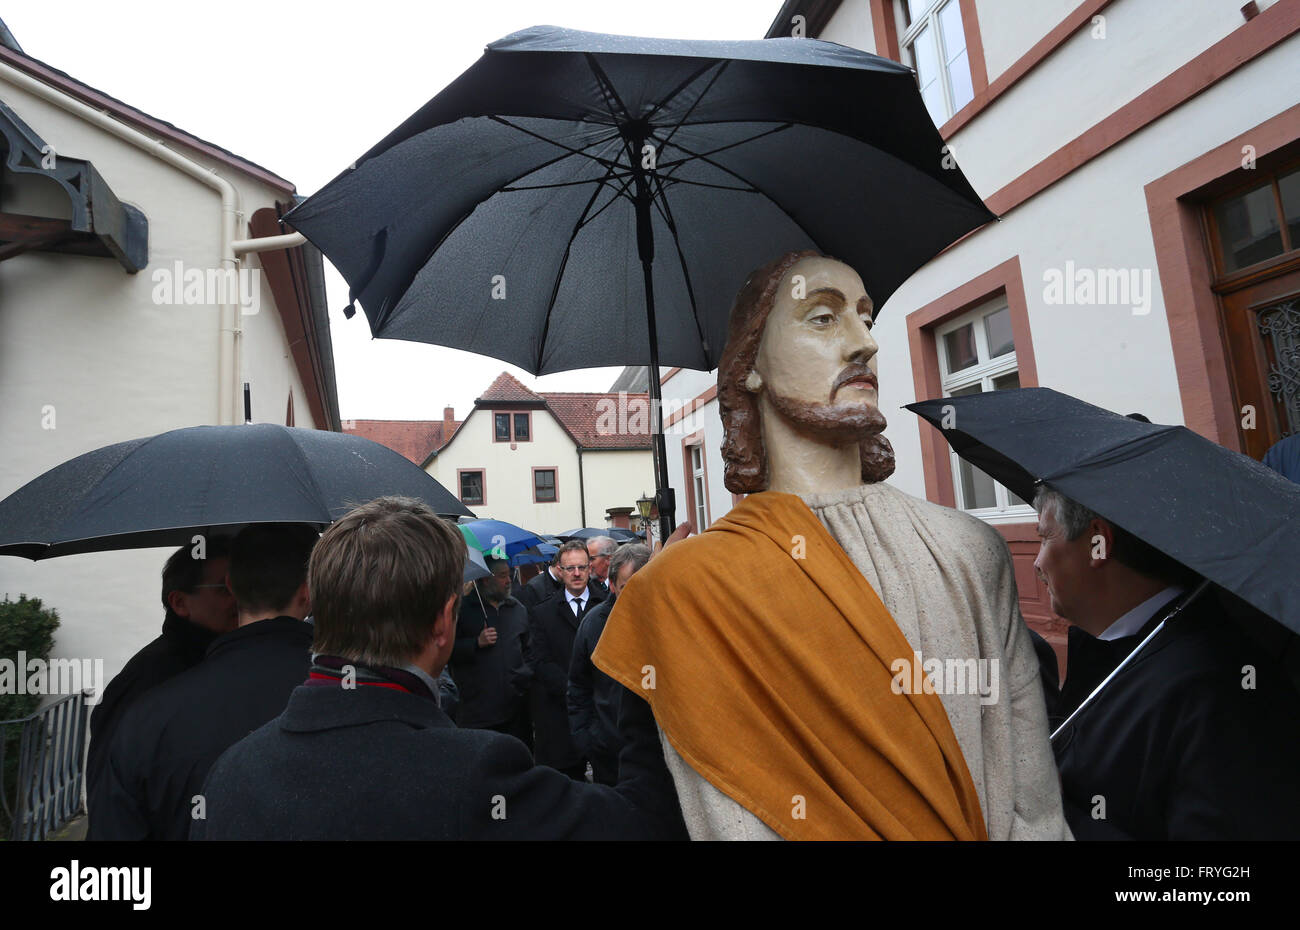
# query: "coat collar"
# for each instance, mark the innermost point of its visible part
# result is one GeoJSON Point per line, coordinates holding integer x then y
{"type": "Point", "coordinates": [283, 628]}
{"type": "Point", "coordinates": [315, 709]}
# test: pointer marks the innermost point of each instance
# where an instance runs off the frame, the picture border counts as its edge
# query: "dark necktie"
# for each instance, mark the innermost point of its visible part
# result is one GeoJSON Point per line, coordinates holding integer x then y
{"type": "Point", "coordinates": [577, 607]}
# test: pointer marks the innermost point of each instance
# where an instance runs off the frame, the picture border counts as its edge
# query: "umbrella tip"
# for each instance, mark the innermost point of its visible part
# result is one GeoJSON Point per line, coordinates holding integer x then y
{"type": "Point", "coordinates": [349, 311]}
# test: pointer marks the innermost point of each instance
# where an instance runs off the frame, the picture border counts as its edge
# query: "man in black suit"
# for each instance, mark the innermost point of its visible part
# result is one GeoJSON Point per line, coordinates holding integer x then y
{"type": "Point", "coordinates": [363, 751]}
{"type": "Point", "coordinates": [553, 625]}
{"type": "Point", "coordinates": [1197, 737]}
{"type": "Point", "coordinates": [169, 739]}
{"type": "Point", "coordinates": [593, 697]}
{"type": "Point", "coordinates": [199, 608]}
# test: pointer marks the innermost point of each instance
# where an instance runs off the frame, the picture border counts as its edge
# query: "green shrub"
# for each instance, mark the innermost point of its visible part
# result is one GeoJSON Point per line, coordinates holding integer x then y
{"type": "Point", "coordinates": [25, 626]}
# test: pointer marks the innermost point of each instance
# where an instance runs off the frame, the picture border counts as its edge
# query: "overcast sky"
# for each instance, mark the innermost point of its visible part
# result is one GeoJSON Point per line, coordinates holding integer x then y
{"type": "Point", "coordinates": [302, 90]}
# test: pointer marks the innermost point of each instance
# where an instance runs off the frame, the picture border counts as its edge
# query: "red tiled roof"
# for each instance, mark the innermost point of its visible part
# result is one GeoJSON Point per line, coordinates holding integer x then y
{"type": "Point", "coordinates": [414, 439]}
{"type": "Point", "coordinates": [604, 421]}
{"type": "Point", "coordinates": [508, 388]}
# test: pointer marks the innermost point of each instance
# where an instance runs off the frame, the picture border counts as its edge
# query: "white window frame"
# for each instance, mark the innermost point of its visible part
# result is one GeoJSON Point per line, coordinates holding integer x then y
{"type": "Point", "coordinates": [930, 19]}
{"type": "Point", "coordinates": [982, 373]}
{"type": "Point", "coordinates": [699, 490]}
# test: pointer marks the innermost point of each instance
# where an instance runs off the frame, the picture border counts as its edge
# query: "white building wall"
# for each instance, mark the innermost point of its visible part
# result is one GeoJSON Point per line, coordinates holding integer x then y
{"type": "Point", "coordinates": [81, 336]}
{"type": "Point", "coordinates": [1009, 30]}
{"type": "Point", "coordinates": [680, 390]}
{"type": "Point", "coordinates": [615, 479]}
{"type": "Point", "coordinates": [508, 475]}
{"type": "Point", "coordinates": [1083, 81]}
{"type": "Point", "coordinates": [851, 25]}
{"type": "Point", "coordinates": [1097, 218]}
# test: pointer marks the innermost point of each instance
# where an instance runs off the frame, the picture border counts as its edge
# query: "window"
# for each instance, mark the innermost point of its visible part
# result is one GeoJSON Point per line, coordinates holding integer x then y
{"type": "Point", "coordinates": [472, 486]}
{"type": "Point", "coordinates": [1257, 224]}
{"type": "Point", "coordinates": [977, 353]}
{"type": "Point", "coordinates": [508, 427]}
{"type": "Point", "coordinates": [700, 488]}
{"type": "Point", "coordinates": [544, 486]}
{"type": "Point", "coordinates": [934, 43]}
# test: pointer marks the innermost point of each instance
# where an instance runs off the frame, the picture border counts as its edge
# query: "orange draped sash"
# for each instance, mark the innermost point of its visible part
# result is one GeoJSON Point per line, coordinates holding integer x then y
{"type": "Point", "coordinates": [766, 657]}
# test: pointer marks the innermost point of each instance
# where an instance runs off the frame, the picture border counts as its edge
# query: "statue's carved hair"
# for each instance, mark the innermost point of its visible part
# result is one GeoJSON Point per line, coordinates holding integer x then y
{"type": "Point", "coordinates": [743, 455]}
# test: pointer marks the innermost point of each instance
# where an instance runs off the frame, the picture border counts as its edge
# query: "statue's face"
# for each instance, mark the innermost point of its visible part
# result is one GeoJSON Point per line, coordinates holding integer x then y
{"type": "Point", "coordinates": [817, 357]}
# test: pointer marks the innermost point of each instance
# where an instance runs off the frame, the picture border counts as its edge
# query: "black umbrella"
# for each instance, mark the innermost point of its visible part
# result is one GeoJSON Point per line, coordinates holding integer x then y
{"type": "Point", "coordinates": [1218, 512]}
{"type": "Point", "coordinates": [161, 490]}
{"type": "Point", "coordinates": [502, 216]}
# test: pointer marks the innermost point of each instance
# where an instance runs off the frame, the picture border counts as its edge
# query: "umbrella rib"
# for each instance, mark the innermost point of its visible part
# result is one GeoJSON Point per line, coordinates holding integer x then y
{"type": "Point", "coordinates": [666, 212]}
{"type": "Point", "coordinates": [559, 274]}
{"type": "Point", "coordinates": [744, 180]}
{"type": "Point", "coordinates": [622, 192]}
{"type": "Point", "coordinates": [680, 87]}
{"type": "Point", "coordinates": [607, 90]}
{"type": "Point", "coordinates": [568, 149]}
{"type": "Point", "coordinates": [532, 170]}
{"type": "Point", "coordinates": [540, 187]}
{"type": "Point", "coordinates": [673, 165]}
{"type": "Point", "coordinates": [718, 187]}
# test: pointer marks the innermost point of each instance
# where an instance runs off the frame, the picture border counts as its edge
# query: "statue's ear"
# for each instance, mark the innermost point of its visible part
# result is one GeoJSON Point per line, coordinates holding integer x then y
{"type": "Point", "coordinates": [753, 382]}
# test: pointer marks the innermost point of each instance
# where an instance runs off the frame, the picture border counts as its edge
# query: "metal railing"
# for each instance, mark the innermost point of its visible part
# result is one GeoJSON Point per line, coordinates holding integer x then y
{"type": "Point", "coordinates": [51, 768]}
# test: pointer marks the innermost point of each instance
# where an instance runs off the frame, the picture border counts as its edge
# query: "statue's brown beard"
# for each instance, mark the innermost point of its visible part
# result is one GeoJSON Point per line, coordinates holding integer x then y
{"type": "Point", "coordinates": [842, 424]}
{"type": "Point", "coordinates": [836, 423]}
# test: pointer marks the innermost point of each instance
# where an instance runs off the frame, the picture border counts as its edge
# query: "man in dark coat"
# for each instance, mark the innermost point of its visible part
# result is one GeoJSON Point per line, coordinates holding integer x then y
{"type": "Point", "coordinates": [542, 586]}
{"type": "Point", "coordinates": [593, 696]}
{"type": "Point", "coordinates": [487, 661]}
{"type": "Point", "coordinates": [170, 738]}
{"type": "Point", "coordinates": [374, 757]}
{"type": "Point", "coordinates": [1199, 736]}
{"type": "Point", "coordinates": [553, 625]}
{"type": "Point", "coordinates": [199, 609]}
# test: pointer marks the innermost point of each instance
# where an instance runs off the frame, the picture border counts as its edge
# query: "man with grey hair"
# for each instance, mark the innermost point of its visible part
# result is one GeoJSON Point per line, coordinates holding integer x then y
{"type": "Point", "coordinates": [593, 696]}
{"type": "Point", "coordinates": [600, 549]}
{"type": "Point", "coordinates": [1196, 738]}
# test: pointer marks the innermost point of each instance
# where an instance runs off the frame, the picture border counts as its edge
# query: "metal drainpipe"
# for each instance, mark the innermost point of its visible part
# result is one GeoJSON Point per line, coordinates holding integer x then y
{"type": "Point", "coordinates": [582, 489]}
{"type": "Point", "coordinates": [228, 386]}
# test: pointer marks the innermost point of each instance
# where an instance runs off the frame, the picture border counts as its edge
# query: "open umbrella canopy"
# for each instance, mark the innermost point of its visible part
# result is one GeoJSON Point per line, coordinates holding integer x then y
{"type": "Point", "coordinates": [579, 199]}
{"type": "Point", "coordinates": [534, 556]}
{"type": "Point", "coordinates": [497, 539]}
{"type": "Point", "coordinates": [475, 565]}
{"type": "Point", "coordinates": [528, 188]}
{"type": "Point", "coordinates": [1218, 512]}
{"type": "Point", "coordinates": [162, 490]}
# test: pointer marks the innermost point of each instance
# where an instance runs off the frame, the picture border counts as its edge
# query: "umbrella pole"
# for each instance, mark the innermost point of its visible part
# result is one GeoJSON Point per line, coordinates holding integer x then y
{"type": "Point", "coordinates": [645, 247]}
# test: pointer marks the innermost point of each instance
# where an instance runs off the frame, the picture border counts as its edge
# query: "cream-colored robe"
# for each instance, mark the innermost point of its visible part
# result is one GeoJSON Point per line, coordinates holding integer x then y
{"type": "Point", "coordinates": [947, 579]}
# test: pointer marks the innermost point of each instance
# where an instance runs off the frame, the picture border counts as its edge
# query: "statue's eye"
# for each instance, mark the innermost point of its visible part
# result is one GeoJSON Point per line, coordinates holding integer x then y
{"type": "Point", "coordinates": [822, 317]}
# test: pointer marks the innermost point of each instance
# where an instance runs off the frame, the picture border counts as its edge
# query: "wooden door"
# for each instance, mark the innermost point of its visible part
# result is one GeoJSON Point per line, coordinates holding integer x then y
{"type": "Point", "coordinates": [1261, 324]}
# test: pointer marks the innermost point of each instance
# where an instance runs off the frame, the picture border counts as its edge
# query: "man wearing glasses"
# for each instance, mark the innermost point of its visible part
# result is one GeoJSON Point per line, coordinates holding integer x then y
{"type": "Point", "coordinates": [553, 624]}
{"type": "Point", "coordinates": [199, 608]}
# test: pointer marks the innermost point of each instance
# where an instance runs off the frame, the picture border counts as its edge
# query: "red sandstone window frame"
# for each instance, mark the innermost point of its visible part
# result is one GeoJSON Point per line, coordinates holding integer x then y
{"type": "Point", "coordinates": [460, 488]}
{"type": "Point", "coordinates": [1001, 280]}
{"type": "Point", "coordinates": [554, 470]}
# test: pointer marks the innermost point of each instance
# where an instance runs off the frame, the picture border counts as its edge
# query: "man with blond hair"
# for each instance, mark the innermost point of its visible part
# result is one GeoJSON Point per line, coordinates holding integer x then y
{"type": "Point", "coordinates": [363, 752]}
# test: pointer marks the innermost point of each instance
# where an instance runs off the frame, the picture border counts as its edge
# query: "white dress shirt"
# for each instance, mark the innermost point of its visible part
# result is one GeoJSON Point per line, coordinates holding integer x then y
{"type": "Point", "coordinates": [1136, 618]}
{"type": "Point", "coordinates": [570, 599]}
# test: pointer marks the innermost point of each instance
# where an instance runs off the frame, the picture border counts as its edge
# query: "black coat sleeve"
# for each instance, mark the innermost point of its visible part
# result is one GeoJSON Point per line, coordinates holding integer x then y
{"type": "Point", "coordinates": [581, 701]}
{"type": "Point", "coordinates": [642, 770]}
{"type": "Point", "coordinates": [517, 800]}
{"type": "Point", "coordinates": [550, 670]}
